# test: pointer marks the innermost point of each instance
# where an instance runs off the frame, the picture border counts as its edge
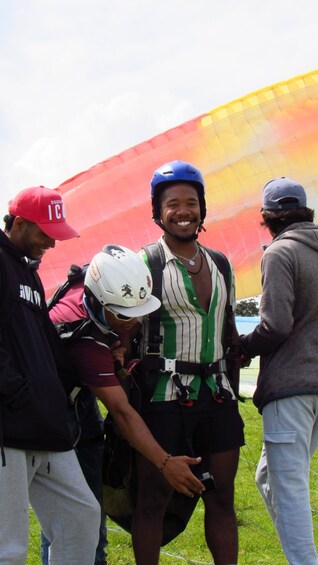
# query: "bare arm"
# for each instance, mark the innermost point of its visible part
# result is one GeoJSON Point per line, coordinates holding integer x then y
{"type": "Point", "coordinates": [175, 469]}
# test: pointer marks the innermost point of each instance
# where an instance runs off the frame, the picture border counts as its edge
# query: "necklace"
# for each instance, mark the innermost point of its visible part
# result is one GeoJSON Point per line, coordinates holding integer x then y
{"type": "Point", "coordinates": [190, 261]}
{"type": "Point", "coordinates": [198, 270]}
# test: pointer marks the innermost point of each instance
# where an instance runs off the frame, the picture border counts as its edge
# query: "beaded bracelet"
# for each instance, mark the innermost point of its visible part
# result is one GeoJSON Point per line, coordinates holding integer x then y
{"type": "Point", "coordinates": [165, 461]}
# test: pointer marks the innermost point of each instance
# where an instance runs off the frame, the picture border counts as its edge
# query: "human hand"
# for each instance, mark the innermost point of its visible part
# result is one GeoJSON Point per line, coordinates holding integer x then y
{"type": "Point", "coordinates": [118, 352]}
{"type": "Point", "coordinates": [245, 361]}
{"type": "Point", "coordinates": [178, 473]}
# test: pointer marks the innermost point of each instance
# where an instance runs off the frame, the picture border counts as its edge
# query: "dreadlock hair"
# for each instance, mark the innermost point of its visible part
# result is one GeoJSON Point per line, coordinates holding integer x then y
{"type": "Point", "coordinates": [277, 220]}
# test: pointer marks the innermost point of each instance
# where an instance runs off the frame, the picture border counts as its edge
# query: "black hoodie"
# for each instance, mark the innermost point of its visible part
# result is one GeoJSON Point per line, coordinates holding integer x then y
{"type": "Point", "coordinates": [33, 403]}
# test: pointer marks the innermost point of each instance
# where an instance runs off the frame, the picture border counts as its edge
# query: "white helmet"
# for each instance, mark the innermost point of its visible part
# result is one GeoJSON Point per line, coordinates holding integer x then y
{"type": "Point", "coordinates": [119, 278]}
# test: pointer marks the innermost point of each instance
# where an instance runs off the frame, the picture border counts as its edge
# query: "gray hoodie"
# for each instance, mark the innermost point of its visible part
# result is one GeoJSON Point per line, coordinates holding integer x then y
{"type": "Point", "coordinates": [287, 337]}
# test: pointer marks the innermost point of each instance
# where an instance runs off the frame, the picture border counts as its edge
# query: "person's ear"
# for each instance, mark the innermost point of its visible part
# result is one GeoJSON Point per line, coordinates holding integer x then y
{"type": "Point", "coordinates": [19, 223]}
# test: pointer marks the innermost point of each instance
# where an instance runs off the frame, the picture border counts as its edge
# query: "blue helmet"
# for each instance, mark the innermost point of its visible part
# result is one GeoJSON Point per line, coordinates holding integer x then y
{"type": "Point", "coordinates": [173, 172]}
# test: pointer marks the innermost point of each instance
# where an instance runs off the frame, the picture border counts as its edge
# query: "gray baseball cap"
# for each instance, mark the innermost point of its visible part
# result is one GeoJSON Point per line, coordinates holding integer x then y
{"type": "Point", "coordinates": [283, 194]}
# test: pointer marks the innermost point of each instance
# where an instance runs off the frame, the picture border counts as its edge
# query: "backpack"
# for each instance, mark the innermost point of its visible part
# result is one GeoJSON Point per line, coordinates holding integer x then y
{"type": "Point", "coordinates": [83, 419]}
{"type": "Point", "coordinates": [74, 274]}
{"type": "Point", "coordinates": [70, 331]}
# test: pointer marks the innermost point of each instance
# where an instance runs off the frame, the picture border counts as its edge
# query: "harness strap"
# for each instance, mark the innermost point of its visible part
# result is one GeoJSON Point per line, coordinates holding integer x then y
{"type": "Point", "coordinates": [183, 391]}
{"type": "Point", "coordinates": [73, 394]}
{"type": "Point", "coordinates": [154, 363]}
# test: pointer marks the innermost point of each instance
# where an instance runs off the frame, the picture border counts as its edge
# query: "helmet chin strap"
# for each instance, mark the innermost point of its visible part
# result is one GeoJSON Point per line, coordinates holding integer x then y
{"type": "Point", "coordinates": [99, 321]}
{"type": "Point", "coordinates": [192, 237]}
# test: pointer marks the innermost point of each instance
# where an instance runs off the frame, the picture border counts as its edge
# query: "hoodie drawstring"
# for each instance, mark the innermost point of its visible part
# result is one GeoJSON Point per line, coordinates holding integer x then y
{"type": "Point", "coordinates": [3, 456]}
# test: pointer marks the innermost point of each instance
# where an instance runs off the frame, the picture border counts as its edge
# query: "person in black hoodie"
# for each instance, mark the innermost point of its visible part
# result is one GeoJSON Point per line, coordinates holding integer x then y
{"type": "Point", "coordinates": [38, 464]}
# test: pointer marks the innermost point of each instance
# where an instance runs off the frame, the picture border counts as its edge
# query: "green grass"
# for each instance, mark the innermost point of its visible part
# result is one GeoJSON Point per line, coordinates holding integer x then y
{"type": "Point", "coordinates": [258, 541]}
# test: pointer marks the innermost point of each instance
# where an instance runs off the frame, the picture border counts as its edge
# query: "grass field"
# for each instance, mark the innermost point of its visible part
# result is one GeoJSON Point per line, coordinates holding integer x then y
{"type": "Point", "coordinates": [257, 537]}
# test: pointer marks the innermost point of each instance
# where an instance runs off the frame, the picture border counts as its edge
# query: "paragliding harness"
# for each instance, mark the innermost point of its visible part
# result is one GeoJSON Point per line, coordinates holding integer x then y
{"type": "Point", "coordinates": [80, 399]}
{"type": "Point", "coordinates": [70, 331]}
{"type": "Point", "coordinates": [152, 363]}
{"type": "Point", "coordinates": [119, 472]}
{"type": "Point", "coordinates": [73, 331]}
{"type": "Point", "coordinates": [74, 275]}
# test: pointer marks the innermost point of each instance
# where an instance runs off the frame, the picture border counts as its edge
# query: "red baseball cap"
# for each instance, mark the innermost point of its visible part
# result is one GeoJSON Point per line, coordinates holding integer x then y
{"type": "Point", "coordinates": [45, 207]}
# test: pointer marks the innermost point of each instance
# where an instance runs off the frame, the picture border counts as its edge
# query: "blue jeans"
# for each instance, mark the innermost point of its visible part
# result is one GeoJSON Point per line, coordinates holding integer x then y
{"type": "Point", "coordinates": [87, 426]}
{"type": "Point", "coordinates": [282, 476]}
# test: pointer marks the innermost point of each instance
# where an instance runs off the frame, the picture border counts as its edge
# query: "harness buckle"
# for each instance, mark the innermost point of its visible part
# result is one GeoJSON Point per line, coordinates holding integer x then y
{"type": "Point", "coordinates": [73, 394]}
{"type": "Point", "coordinates": [149, 352]}
{"type": "Point", "coordinates": [214, 368]}
{"type": "Point", "coordinates": [221, 394]}
{"type": "Point", "coordinates": [183, 391]}
{"type": "Point", "coordinates": [222, 366]}
{"type": "Point", "coordinates": [169, 365]}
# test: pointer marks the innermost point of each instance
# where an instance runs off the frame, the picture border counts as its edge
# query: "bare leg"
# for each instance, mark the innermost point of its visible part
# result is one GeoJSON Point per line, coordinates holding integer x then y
{"type": "Point", "coordinates": [154, 493]}
{"type": "Point", "coordinates": [220, 521]}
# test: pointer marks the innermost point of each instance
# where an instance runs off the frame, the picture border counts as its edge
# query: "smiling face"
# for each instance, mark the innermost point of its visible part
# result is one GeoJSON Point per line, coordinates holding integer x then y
{"type": "Point", "coordinates": [30, 239]}
{"type": "Point", "coordinates": [180, 210]}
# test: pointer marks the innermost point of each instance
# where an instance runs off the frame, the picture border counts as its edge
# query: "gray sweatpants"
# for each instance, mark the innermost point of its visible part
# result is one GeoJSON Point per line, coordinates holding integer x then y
{"type": "Point", "coordinates": [66, 508]}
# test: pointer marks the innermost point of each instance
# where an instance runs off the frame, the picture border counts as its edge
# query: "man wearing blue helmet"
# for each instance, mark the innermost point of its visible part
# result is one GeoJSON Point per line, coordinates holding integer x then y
{"type": "Point", "coordinates": [287, 389]}
{"type": "Point", "coordinates": [192, 407]}
{"type": "Point", "coordinates": [178, 172]}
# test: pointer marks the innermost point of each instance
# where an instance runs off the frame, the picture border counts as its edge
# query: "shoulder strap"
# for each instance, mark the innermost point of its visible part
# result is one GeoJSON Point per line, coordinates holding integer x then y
{"type": "Point", "coordinates": [223, 265]}
{"type": "Point", "coordinates": [230, 337]}
{"type": "Point", "coordinates": [73, 331]}
{"type": "Point", "coordinates": [75, 274]}
{"type": "Point", "coordinates": [156, 261]}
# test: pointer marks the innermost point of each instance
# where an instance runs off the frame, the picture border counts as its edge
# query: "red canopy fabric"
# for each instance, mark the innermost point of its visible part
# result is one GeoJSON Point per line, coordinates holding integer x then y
{"type": "Point", "coordinates": [238, 147]}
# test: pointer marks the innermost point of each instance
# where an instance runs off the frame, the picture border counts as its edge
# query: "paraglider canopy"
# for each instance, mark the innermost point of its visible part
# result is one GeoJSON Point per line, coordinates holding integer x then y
{"type": "Point", "coordinates": [237, 147]}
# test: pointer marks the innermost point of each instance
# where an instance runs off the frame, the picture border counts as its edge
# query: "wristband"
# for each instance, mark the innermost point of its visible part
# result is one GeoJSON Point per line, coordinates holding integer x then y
{"type": "Point", "coordinates": [165, 461]}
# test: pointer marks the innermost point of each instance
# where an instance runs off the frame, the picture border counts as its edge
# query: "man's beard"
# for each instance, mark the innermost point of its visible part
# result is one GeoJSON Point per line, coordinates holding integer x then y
{"type": "Point", "coordinates": [184, 239]}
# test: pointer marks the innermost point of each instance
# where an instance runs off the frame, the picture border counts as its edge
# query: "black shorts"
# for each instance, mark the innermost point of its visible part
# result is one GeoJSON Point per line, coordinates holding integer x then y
{"type": "Point", "coordinates": [206, 427]}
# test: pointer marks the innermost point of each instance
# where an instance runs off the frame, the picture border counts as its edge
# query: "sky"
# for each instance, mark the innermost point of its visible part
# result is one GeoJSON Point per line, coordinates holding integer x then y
{"type": "Point", "coordinates": [82, 80]}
